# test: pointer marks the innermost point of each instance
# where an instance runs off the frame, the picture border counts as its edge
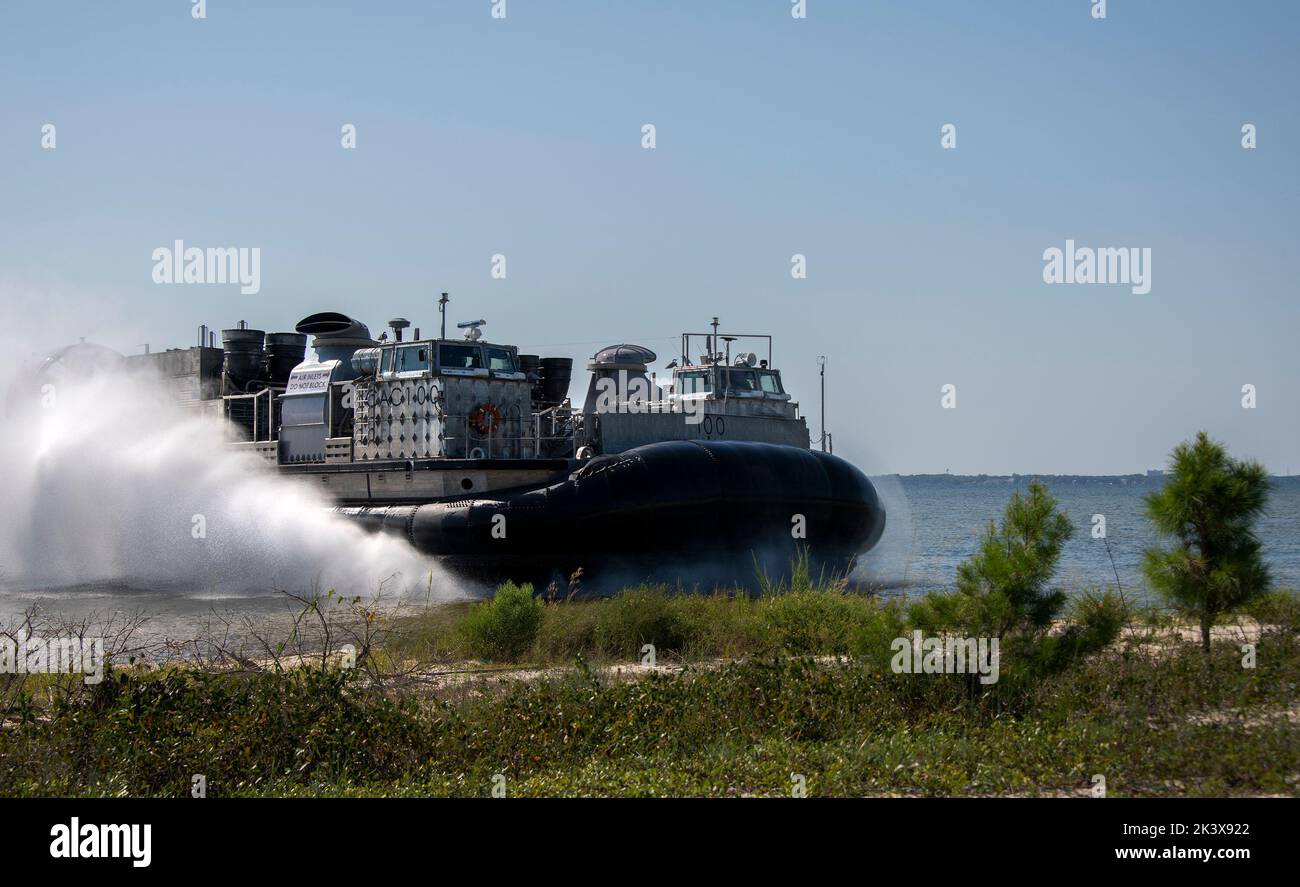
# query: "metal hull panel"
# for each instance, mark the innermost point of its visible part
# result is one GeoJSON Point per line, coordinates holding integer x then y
{"type": "Point", "coordinates": [423, 481]}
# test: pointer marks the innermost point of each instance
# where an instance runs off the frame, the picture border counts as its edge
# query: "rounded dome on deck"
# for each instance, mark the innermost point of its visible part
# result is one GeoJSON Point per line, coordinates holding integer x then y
{"type": "Point", "coordinates": [623, 356]}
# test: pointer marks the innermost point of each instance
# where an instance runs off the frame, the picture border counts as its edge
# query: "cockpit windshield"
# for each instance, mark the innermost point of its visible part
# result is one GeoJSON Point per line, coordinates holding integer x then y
{"type": "Point", "coordinates": [500, 360]}
{"type": "Point", "coordinates": [412, 359]}
{"type": "Point", "coordinates": [695, 382]}
{"type": "Point", "coordinates": [770, 382]}
{"type": "Point", "coordinates": [741, 381]}
{"type": "Point", "coordinates": [460, 357]}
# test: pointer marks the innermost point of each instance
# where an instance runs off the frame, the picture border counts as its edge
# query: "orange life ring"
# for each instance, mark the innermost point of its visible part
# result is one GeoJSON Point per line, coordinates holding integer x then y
{"type": "Point", "coordinates": [479, 420]}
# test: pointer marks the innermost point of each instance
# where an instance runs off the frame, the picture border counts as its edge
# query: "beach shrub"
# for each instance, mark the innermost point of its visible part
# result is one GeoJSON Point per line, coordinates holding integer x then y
{"type": "Point", "coordinates": [874, 635]}
{"type": "Point", "coordinates": [639, 616]}
{"type": "Point", "coordinates": [724, 624]}
{"type": "Point", "coordinates": [1279, 608]}
{"type": "Point", "coordinates": [505, 627]}
{"type": "Point", "coordinates": [810, 622]}
{"type": "Point", "coordinates": [568, 631]}
{"type": "Point", "coordinates": [1093, 621]}
{"type": "Point", "coordinates": [144, 734]}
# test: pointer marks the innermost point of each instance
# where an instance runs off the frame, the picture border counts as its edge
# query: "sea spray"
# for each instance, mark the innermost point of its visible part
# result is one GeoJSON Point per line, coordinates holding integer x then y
{"type": "Point", "coordinates": [107, 479]}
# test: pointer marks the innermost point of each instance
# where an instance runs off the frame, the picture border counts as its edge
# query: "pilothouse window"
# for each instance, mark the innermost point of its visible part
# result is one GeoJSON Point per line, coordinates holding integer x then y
{"type": "Point", "coordinates": [771, 382]}
{"type": "Point", "coordinates": [500, 360]}
{"type": "Point", "coordinates": [695, 382]}
{"type": "Point", "coordinates": [742, 380]}
{"type": "Point", "coordinates": [460, 357]}
{"type": "Point", "coordinates": [413, 359]}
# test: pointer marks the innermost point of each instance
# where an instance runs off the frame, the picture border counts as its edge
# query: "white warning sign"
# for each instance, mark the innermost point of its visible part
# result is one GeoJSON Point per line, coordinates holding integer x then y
{"type": "Point", "coordinates": [310, 380]}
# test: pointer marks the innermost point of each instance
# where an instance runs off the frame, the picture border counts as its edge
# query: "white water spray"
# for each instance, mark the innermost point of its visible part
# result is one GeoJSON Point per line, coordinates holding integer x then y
{"type": "Point", "coordinates": [109, 480]}
{"type": "Point", "coordinates": [888, 565]}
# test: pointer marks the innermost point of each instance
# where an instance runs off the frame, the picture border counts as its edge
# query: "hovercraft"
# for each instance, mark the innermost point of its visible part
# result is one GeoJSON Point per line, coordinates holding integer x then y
{"type": "Point", "coordinates": [477, 456]}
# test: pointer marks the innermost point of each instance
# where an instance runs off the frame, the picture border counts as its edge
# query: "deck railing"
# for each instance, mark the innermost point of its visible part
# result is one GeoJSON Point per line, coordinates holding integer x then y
{"type": "Point", "coordinates": [552, 433]}
{"type": "Point", "coordinates": [256, 414]}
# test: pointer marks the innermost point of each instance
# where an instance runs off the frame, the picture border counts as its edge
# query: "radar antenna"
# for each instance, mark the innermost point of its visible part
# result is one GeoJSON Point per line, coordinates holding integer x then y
{"type": "Point", "coordinates": [471, 327]}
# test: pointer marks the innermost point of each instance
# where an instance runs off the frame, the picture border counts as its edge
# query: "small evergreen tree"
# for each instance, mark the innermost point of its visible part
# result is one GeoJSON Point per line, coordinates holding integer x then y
{"type": "Point", "coordinates": [1208, 506]}
{"type": "Point", "coordinates": [1004, 590]}
{"type": "Point", "coordinates": [1005, 585]}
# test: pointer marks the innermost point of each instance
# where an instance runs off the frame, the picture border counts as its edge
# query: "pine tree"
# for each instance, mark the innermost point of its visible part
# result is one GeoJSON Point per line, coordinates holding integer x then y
{"type": "Point", "coordinates": [1006, 585]}
{"type": "Point", "coordinates": [1005, 590]}
{"type": "Point", "coordinates": [1208, 506]}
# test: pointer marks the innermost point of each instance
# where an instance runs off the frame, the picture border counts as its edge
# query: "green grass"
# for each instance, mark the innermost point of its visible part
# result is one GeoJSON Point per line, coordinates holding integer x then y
{"type": "Point", "coordinates": [1174, 723]}
{"type": "Point", "coordinates": [683, 627]}
{"type": "Point", "coordinates": [793, 681]}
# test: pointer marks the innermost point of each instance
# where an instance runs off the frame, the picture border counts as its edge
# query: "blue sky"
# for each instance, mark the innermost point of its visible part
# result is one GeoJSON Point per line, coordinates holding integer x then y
{"type": "Point", "coordinates": [775, 136]}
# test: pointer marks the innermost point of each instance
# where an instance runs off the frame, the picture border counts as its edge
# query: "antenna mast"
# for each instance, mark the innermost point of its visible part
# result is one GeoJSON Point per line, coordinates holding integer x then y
{"type": "Point", "coordinates": [442, 309]}
{"type": "Point", "coordinates": [821, 361]}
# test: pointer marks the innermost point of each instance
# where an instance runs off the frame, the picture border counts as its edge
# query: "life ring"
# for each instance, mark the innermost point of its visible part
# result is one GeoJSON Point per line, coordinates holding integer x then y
{"type": "Point", "coordinates": [479, 419]}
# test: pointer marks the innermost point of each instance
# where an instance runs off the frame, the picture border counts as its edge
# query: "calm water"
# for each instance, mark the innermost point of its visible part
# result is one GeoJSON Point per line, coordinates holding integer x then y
{"type": "Point", "coordinates": [936, 521]}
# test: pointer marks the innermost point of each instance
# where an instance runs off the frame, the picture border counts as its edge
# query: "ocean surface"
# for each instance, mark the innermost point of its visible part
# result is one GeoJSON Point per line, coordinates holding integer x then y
{"type": "Point", "coordinates": [936, 521]}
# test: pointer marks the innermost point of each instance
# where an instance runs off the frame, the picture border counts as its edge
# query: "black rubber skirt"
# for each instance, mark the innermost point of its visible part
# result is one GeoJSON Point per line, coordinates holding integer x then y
{"type": "Point", "coordinates": [685, 512]}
